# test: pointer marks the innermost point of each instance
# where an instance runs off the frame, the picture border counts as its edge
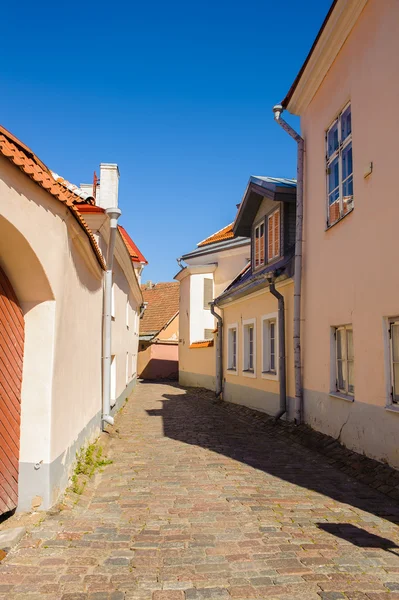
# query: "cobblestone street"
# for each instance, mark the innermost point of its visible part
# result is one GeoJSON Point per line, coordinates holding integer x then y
{"type": "Point", "coordinates": [201, 502]}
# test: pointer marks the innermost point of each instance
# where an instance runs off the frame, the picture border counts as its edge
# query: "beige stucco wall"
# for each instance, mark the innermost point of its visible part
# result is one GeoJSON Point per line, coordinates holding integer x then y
{"type": "Point", "coordinates": [59, 283]}
{"type": "Point", "coordinates": [260, 391]}
{"type": "Point", "coordinates": [171, 332]}
{"type": "Point", "coordinates": [349, 272]}
{"type": "Point", "coordinates": [196, 365]}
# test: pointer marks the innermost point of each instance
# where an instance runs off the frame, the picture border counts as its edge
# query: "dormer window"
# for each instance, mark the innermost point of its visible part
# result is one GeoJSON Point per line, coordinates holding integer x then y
{"type": "Point", "coordinates": [259, 245]}
{"type": "Point", "coordinates": [273, 235]}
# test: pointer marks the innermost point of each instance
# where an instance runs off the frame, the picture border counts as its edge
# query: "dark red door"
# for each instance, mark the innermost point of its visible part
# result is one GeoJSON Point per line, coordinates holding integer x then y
{"type": "Point", "coordinates": [11, 360]}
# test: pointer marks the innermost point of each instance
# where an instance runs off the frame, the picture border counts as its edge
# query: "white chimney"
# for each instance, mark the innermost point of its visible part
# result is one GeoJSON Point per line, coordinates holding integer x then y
{"type": "Point", "coordinates": [107, 192]}
{"type": "Point", "coordinates": [87, 188]}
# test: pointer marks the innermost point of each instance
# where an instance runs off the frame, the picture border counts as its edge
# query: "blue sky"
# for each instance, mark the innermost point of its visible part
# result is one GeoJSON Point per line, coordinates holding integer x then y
{"type": "Point", "coordinates": [179, 94]}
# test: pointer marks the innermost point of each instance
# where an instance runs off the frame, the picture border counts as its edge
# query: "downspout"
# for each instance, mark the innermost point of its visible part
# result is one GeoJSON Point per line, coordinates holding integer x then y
{"type": "Point", "coordinates": [219, 351]}
{"type": "Point", "coordinates": [113, 215]}
{"type": "Point", "coordinates": [281, 350]}
{"type": "Point", "coordinates": [278, 109]}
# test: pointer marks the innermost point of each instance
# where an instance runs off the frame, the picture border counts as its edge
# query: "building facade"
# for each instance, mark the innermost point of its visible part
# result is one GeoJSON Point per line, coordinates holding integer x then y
{"type": "Point", "coordinates": [51, 275]}
{"type": "Point", "coordinates": [159, 331]}
{"type": "Point", "coordinates": [346, 95]}
{"type": "Point", "coordinates": [209, 269]}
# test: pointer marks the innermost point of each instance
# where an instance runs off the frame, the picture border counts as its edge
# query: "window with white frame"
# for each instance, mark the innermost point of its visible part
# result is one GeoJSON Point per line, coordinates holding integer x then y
{"type": "Point", "coordinates": [339, 167]}
{"type": "Point", "coordinates": [127, 312]}
{"type": "Point", "coordinates": [232, 348]}
{"type": "Point", "coordinates": [344, 360]}
{"type": "Point", "coordinates": [249, 346]}
{"type": "Point", "coordinates": [259, 245]}
{"type": "Point", "coordinates": [394, 359]}
{"type": "Point", "coordinates": [273, 235]}
{"type": "Point", "coordinates": [269, 345]}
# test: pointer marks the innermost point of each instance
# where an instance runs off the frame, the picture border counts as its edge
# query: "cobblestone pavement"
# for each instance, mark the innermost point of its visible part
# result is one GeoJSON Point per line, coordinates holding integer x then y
{"type": "Point", "coordinates": [200, 503]}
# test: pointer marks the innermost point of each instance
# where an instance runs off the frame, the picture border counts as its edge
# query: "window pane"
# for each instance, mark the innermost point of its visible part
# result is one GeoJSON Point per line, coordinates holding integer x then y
{"type": "Point", "coordinates": [351, 383]}
{"type": "Point", "coordinates": [346, 123]}
{"type": "Point", "coordinates": [347, 165]}
{"type": "Point", "coordinates": [395, 341]}
{"type": "Point", "coordinates": [272, 346]}
{"type": "Point", "coordinates": [332, 139]}
{"type": "Point", "coordinates": [349, 338]}
{"type": "Point", "coordinates": [333, 178]}
{"type": "Point", "coordinates": [277, 233]}
{"type": "Point", "coordinates": [341, 375]}
{"type": "Point", "coordinates": [340, 341]}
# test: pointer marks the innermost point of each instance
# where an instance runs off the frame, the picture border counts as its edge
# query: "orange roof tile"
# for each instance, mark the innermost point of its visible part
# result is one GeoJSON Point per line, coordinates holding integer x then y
{"type": "Point", "coordinates": [134, 252]}
{"type": "Point", "coordinates": [81, 197]}
{"type": "Point", "coordinates": [204, 344]}
{"type": "Point", "coordinates": [220, 236]}
{"type": "Point", "coordinates": [163, 305]}
{"type": "Point", "coordinates": [21, 156]}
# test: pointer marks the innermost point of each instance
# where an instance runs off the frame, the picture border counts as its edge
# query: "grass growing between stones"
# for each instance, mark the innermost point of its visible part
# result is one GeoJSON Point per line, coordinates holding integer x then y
{"type": "Point", "coordinates": [88, 461]}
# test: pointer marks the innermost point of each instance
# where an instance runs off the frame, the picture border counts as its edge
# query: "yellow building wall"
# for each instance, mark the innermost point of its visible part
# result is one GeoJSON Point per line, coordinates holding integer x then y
{"type": "Point", "coordinates": [258, 391]}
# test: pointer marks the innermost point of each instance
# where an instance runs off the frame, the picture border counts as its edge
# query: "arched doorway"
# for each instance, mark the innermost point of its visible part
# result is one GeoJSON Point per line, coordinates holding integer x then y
{"type": "Point", "coordinates": [11, 362]}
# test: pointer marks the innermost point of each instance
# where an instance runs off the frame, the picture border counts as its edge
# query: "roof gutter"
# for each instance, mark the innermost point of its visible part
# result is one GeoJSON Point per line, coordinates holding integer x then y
{"type": "Point", "coordinates": [278, 109]}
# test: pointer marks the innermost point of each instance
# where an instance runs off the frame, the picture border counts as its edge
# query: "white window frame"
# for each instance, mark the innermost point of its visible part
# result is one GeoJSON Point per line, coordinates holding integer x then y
{"type": "Point", "coordinates": [127, 312]}
{"type": "Point", "coordinates": [334, 386]}
{"type": "Point", "coordinates": [391, 403]}
{"type": "Point", "coordinates": [230, 368]}
{"type": "Point", "coordinates": [246, 372]}
{"type": "Point", "coordinates": [258, 228]}
{"type": "Point", "coordinates": [271, 216]}
{"type": "Point", "coordinates": [267, 373]}
{"type": "Point", "coordinates": [330, 159]}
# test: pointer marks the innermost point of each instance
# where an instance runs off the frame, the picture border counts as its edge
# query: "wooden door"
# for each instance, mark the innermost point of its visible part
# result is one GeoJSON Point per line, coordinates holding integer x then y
{"type": "Point", "coordinates": [11, 360]}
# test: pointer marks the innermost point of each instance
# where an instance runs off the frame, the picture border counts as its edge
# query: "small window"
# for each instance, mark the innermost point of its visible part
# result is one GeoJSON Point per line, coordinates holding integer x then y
{"type": "Point", "coordinates": [127, 313]}
{"type": "Point", "coordinates": [208, 334]}
{"type": "Point", "coordinates": [344, 360]}
{"type": "Point", "coordinates": [259, 245]}
{"type": "Point", "coordinates": [269, 345]}
{"type": "Point", "coordinates": [208, 292]}
{"type": "Point", "coordinates": [339, 167]}
{"type": "Point", "coordinates": [273, 235]}
{"type": "Point", "coordinates": [394, 359]}
{"type": "Point", "coordinates": [232, 348]}
{"type": "Point", "coordinates": [249, 346]}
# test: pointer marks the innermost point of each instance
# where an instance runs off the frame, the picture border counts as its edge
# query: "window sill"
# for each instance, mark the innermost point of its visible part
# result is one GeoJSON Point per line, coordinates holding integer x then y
{"type": "Point", "coordinates": [394, 408]}
{"type": "Point", "coordinates": [339, 220]}
{"type": "Point", "coordinates": [340, 396]}
{"type": "Point", "coordinates": [232, 371]}
{"type": "Point", "coordinates": [269, 375]}
{"type": "Point", "coordinates": [249, 373]}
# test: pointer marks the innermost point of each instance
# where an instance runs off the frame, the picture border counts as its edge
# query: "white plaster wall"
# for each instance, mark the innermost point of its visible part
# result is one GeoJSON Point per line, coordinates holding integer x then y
{"type": "Point", "coordinates": [200, 318]}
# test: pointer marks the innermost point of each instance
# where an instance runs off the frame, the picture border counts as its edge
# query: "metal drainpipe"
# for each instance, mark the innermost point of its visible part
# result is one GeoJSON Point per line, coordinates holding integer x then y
{"type": "Point", "coordinates": [278, 109]}
{"type": "Point", "coordinates": [281, 351]}
{"type": "Point", "coordinates": [113, 215]}
{"type": "Point", "coordinates": [219, 351]}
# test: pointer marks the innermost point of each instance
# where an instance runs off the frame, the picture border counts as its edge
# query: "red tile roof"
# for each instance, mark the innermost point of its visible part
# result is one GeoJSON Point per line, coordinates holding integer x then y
{"type": "Point", "coordinates": [220, 236]}
{"type": "Point", "coordinates": [22, 157]}
{"type": "Point", "coordinates": [204, 344]}
{"type": "Point", "coordinates": [163, 305]}
{"type": "Point", "coordinates": [134, 252]}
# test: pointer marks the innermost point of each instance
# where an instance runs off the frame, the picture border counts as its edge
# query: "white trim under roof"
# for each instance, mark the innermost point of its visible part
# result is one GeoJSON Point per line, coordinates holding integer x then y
{"type": "Point", "coordinates": [332, 38]}
{"type": "Point", "coordinates": [195, 270]}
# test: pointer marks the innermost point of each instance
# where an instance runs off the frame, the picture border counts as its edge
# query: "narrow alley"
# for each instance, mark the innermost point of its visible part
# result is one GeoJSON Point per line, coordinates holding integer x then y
{"type": "Point", "coordinates": [200, 502]}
